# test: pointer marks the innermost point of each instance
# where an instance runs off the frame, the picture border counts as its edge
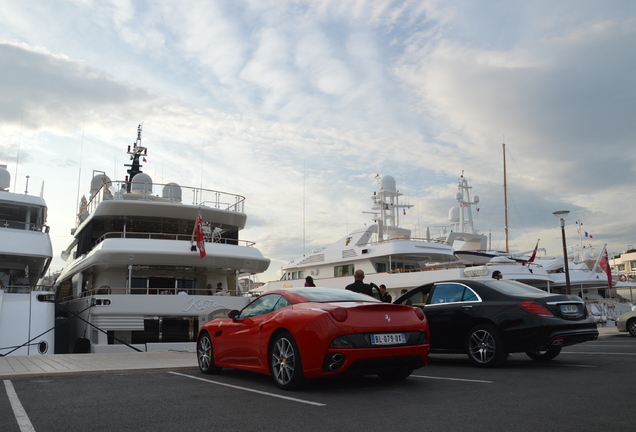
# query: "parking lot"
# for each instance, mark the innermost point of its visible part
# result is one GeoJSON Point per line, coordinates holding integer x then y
{"type": "Point", "coordinates": [589, 387]}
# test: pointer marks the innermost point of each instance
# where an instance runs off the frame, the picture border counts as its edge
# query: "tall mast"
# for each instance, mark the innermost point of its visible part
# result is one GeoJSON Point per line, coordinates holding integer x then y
{"type": "Point", "coordinates": [505, 186]}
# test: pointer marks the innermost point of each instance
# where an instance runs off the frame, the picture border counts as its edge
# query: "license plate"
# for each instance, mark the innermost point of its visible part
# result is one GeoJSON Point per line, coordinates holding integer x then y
{"type": "Point", "coordinates": [569, 309]}
{"type": "Point", "coordinates": [388, 339]}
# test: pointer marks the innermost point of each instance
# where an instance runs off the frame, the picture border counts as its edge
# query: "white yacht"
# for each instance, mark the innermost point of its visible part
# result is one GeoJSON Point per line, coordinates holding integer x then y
{"type": "Point", "coordinates": [389, 255]}
{"type": "Point", "coordinates": [27, 311]}
{"type": "Point", "coordinates": [143, 269]}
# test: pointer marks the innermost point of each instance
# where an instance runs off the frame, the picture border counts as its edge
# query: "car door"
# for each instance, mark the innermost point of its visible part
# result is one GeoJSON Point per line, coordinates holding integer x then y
{"type": "Point", "coordinates": [450, 309]}
{"type": "Point", "coordinates": [237, 341]}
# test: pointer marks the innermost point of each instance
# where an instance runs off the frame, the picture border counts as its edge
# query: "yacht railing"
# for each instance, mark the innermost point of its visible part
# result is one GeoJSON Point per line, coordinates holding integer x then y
{"type": "Point", "coordinates": [150, 291]}
{"type": "Point", "coordinates": [415, 239]}
{"type": "Point", "coordinates": [165, 236]}
{"type": "Point", "coordinates": [24, 289]}
{"type": "Point", "coordinates": [170, 192]}
{"type": "Point", "coordinates": [21, 225]}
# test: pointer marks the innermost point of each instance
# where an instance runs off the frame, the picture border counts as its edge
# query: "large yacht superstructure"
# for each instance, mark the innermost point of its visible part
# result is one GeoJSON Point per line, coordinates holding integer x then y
{"type": "Point", "coordinates": [389, 255]}
{"type": "Point", "coordinates": [143, 269]}
{"type": "Point", "coordinates": [27, 311]}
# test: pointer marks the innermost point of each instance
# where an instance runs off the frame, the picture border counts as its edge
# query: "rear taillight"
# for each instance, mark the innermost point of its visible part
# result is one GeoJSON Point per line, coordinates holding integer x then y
{"type": "Point", "coordinates": [419, 313]}
{"type": "Point", "coordinates": [339, 314]}
{"type": "Point", "coordinates": [535, 308]}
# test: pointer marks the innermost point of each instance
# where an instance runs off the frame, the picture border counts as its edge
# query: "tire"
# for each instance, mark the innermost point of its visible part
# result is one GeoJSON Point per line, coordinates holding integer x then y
{"type": "Point", "coordinates": [205, 355]}
{"type": "Point", "coordinates": [395, 374]}
{"type": "Point", "coordinates": [485, 347]}
{"type": "Point", "coordinates": [285, 363]}
{"type": "Point", "coordinates": [631, 327]}
{"type": "Point", "coordinates": [545, 354]}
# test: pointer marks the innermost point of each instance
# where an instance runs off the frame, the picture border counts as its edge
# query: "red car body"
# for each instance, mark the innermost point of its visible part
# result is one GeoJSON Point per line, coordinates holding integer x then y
{"type": "Point", "coordinates": [331, 331]}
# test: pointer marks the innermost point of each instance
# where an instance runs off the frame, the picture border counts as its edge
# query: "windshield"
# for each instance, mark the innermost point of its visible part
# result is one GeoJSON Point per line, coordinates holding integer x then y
{"type": "Point", "coordinates": [322, 295]}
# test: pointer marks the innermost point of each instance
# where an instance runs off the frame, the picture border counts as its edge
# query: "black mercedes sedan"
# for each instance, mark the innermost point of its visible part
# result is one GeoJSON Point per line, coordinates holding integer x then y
{"type": "Point", "coordinates": [488, 319]}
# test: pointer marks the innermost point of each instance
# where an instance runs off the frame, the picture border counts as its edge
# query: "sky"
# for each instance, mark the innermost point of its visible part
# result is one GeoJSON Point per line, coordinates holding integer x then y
{"type": "Point", "coordinates": [298, 105]}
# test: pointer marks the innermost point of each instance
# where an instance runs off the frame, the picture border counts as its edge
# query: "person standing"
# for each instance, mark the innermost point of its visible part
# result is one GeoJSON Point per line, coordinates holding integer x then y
{"type": "Point", "coordinates": [22, 280]}
{"type": "Point", "coordinates": [358, 285]}
{"type": "Point", "coordinates": [5, 279]}
{"type": "Point", "coordinates": [385, 296]}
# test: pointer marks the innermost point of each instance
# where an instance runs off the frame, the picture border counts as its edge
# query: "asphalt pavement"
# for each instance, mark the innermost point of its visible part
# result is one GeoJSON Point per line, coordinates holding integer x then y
{"type": "Point", "coordinates": [40, 366]}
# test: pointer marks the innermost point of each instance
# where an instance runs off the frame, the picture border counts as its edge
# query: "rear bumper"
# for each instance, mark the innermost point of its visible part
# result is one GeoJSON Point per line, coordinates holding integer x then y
{"type": "Point", "coordinates": [372, 360]}
{"type": "Point", "coordinates": [546, 336]}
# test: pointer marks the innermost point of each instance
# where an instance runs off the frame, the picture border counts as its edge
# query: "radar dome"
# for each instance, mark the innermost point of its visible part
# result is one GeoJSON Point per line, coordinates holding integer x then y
{"type": "Point", "coordinates": [5, 178]}
{"type": "Point", "coordinates": [476, 199]}
{"type": "Point", "coordinates": [453, 214]}
{"type": "Point", "coordinates": [98, 181]}
{"type": "Point", "coordinates": [141, 184]}
{"type": "Point", "coordinates": [172, 192]}
{"type": "Point", "coordinates": [388, 184]}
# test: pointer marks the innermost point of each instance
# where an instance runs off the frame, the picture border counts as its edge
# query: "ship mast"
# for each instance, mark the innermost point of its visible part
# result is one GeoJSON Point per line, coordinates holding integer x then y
{"type": "Point", "coordinates": [137, 151]}
{"type": "Point", "coordinates": [505, 190]}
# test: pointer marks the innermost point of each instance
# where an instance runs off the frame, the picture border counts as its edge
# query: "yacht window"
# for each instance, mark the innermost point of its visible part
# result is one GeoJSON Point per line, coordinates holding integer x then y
{"type": "Point", "coordinates": [343, 270]}
{"type": "Point", "coordinates": [380, 267]}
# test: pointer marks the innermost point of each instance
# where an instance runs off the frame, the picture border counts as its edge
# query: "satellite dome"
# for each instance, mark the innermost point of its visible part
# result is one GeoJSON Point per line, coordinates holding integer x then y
{"type": "Point", "coordinates": [476, 199]}
{"type": "Point", "coordinates": [98, 181]}
{"type": "Point", "coordinates": [5, 178]}
{"type": "Point", "coordinates": [388, 184]}
{"type": "Point", "coordinates": [453, 214]}
{"type": "Point", "coordinates": [141, 184]}
{"type": "Point", "coordinates": [172, 192]}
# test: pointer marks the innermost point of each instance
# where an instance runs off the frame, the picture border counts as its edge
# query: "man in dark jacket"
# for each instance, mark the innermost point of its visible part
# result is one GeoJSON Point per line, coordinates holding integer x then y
{"type": "Point", "coordinates": [358, 285]}
{"type": "Point", "coordinates": [385, 296]}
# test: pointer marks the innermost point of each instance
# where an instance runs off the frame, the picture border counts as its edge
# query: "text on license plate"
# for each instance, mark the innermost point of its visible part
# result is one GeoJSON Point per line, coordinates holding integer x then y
{"type": "Point", "coordinates": [569, 309]}
{"type": "Point", "coordinates": [388, 339]}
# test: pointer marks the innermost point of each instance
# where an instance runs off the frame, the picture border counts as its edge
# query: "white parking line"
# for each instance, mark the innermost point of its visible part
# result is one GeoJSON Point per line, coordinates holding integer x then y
{"type": "Point", "coordinates": [597, 353]}
{"type": "Point", "coordinates": [20, 415]}
{"type": "Point", "coordinates": [452, 379]}
{"type": "Point", "coordinates": [251, 390]}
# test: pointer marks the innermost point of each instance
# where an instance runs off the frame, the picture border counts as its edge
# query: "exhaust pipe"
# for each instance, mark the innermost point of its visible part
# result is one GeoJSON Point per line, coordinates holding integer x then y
{"type": "Point", "coordinates": [334, 362]}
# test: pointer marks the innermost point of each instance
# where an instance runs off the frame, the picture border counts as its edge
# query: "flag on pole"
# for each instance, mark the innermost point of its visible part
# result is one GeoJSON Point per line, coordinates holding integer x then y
{"type": "Point", "coordinates": [604, 264]}
{"type": "Point", "coordinates": [199, 235]}
{"type": "Point", "coordinates": [588, 235]}
{"type": "Point", "coordinates": [534, 254]}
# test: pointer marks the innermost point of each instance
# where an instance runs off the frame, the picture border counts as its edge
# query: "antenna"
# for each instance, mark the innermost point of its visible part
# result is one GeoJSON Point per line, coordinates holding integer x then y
{"type": "Point", "coordinates": [79, 173]}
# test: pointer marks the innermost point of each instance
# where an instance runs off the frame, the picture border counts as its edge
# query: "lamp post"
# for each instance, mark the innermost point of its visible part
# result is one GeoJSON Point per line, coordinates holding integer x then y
{"type": "Point", "coordinates": [561, 214]}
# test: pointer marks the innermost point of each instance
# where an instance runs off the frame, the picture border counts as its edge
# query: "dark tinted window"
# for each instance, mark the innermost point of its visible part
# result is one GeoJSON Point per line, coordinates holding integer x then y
{"type": "Point", "coordinates": [452, 293]}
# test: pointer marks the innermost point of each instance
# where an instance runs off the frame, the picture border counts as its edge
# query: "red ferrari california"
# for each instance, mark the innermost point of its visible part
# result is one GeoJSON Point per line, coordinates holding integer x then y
{"type": "Point", "coordinates": [296, 334]}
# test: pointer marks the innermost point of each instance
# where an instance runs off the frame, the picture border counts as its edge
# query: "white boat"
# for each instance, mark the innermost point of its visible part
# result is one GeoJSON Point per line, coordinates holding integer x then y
{"type": "Point", "coordinates": [389, 255]}
{"type": "Point", "coordinates": [586, 278]}
{"type": "Point", "coordinates": [137, 277]}
{"type": "Point", "coordinates": [27, 311]}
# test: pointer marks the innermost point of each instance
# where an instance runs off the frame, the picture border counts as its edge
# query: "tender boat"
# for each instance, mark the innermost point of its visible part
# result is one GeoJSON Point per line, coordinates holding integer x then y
{"type": "Point", "coordinates": [142, 269]}
{"type": "Point", "coordinates": [27, 311]}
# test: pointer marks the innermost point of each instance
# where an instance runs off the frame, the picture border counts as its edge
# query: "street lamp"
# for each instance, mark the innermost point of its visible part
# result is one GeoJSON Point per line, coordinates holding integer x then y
{"type": "Point", "coordinates": [561, 214]}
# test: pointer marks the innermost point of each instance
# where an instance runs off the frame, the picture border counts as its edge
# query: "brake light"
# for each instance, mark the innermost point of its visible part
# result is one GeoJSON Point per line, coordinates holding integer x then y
{"type": "Point", "coordinates": [535, 308]}
{"type": "Point", "coordinates": [419, 313]}
{"type": "Point", "coordinates": [339, 314]}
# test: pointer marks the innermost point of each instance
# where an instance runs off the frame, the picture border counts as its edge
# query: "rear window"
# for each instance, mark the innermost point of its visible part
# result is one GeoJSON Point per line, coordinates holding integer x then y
{"type": "Point", "coordinates": [513, 287]}
{"type": "Point", "coordinates": [322, 295]}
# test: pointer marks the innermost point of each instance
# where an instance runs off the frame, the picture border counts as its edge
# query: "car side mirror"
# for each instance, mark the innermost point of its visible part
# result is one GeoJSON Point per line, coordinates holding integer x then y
{"type": "Point", "coordinates": [234, 314]}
